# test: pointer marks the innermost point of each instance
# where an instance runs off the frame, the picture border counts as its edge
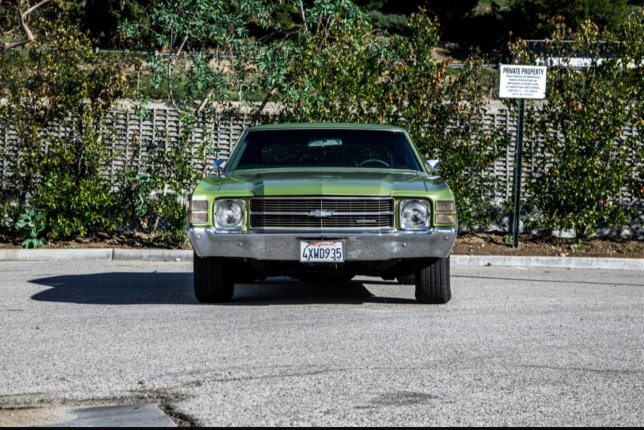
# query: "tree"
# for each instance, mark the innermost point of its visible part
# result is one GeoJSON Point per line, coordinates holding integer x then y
{"type": "Point", "coordinates": [530, 18]}
{"type": "Point", "coordinates": [101, 19]}
{"type": "Point", "coordinates": [207, 41]}
{"type": "Point", "coordinates": [392, 15]}
{"type": "Point", "coordinates": [326, 63]}
{"type": "Point", "coordinates": [56, 94]}
{"type": "Point", "coordinates": [389, 15]}
{"type": "Point", "coordinates": [583, 159]}
{"type": "Point", "coordinates": [356, 74]}
{"type": "Point", "coordinates": [14, 24]}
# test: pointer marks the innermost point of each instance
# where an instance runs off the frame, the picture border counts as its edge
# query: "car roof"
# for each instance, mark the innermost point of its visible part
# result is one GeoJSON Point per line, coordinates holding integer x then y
{"type": "Point", "coordinates": [323, 125]}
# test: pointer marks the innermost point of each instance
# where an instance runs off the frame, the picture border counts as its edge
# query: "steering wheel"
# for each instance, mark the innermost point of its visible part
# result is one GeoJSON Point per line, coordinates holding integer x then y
{"type": "Point", "coordinates": [373, 160]}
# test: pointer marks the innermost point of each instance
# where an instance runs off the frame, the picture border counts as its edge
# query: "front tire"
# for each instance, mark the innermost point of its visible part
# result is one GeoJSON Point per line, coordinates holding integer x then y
{"type": "Point", "coordinates": [213, 281]}
{"type": "Point", "coordinates": [433, 282]}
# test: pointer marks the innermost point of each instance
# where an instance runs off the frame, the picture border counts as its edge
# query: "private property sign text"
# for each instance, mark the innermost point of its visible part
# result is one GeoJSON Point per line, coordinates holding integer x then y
{"type": "Point", "coordinates": [522, 82]}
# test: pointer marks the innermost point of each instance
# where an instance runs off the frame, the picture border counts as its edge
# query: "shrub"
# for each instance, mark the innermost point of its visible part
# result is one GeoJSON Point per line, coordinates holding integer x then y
{"type": "Point", "coordinates": [582, 157]}
{"type": "Point", "coordinates": [58, 93]}
{"type": "Point", "coordinates": [75, 207]}
{"type": "Point", "coordinates": [153, 197]}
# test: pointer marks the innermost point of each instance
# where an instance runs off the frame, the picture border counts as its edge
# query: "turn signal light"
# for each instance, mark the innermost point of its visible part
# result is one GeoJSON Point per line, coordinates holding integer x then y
{"type": "Point", "coordinates": [445, 206]}
{"type": "Point", "coordinates": [445, 218]}
{"type": "Point", "coordinates": [199, 212]}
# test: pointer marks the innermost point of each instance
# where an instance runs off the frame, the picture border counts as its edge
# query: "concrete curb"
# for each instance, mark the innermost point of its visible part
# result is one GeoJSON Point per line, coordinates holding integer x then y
{"type": "Point", "coordinates": [105, 254]}
{"type": "Point", "coordinates": [177, 255]}
{"type": "Point", "coordinates": [152, 254]}
{"type": "Point", "coordinates": [56, 254]}
{"type": "Point", "coordinates": [561, 262]}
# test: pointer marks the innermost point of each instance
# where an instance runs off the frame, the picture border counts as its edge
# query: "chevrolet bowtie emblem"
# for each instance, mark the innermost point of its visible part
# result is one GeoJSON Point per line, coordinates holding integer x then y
{"type": "Point", "coordinates": [319, 213]}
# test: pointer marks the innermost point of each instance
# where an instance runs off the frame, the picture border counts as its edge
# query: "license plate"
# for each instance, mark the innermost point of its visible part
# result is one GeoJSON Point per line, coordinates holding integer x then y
{"type": "Point", "coordinates": [312, 251]}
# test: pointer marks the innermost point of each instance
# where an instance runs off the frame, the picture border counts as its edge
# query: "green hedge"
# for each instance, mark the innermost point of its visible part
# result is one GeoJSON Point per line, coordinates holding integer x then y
{"type": "Point", "coordinates": [343, 71]}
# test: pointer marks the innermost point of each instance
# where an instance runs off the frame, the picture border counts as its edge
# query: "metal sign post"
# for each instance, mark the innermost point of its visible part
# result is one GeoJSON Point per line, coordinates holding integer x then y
{"type": "Point", "coordinates": [520, 82]}
{"type": "Point", "coordinates": [516, 183]}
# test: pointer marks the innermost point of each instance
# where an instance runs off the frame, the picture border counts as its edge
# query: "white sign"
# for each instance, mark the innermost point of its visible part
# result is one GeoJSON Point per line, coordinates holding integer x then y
{"type": "Point", "coordinates": [522, 82]}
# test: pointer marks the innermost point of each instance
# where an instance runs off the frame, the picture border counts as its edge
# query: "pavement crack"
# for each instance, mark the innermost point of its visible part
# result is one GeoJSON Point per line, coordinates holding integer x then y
{"type": "Point", "coordinates": [584, 369]}
{"type": "Point", "coordinates": [274, 376]}
{"type": "Point", "coordinates": [403, 398]}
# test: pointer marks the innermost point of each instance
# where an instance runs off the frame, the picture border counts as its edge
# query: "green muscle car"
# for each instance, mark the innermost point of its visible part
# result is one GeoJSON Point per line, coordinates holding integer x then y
{"type": "Point", "coordinates": [322, 202]}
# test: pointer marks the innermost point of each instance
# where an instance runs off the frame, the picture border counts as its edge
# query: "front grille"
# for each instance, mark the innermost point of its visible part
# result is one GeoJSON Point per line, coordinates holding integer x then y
{"type": "Point", "coordinates": [321, 213]}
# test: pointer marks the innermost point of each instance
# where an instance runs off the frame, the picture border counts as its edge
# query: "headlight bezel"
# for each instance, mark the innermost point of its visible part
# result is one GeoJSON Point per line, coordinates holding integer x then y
{"type": "Point", "coordinates": [220, 204]}
{"type": "Point", "coordinates": [415, 226]}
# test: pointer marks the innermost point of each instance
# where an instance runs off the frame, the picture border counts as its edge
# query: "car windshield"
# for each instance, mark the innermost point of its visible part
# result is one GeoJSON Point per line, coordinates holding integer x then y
{"type": "Point", "coordinates": [385, 149]}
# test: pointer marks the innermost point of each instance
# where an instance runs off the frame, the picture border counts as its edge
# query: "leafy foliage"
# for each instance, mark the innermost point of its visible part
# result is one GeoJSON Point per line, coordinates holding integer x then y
{"type": "Point", "coordinates": [205, 41]}
{"type": "Point", "coordinates": [532, 17]}
{"type": "Point", "coordinates": [351, 73]}
{"type": "Point", "coordinates": [32, 222]}
{"type": "Point", "coordinates": [59, 80]}
{"type": "Point", "coordinates": [154, 197]}
{"type": "Point", "coordinates": [318, 60]}
{"type": "Point", "coordinates": [75, 206]}
{"type": "Point", "coordinates": [580, 169]}
{"type": "Point", "coordinates": [445, 113]}
{"type": "Point", "coordinates": [101, 18]}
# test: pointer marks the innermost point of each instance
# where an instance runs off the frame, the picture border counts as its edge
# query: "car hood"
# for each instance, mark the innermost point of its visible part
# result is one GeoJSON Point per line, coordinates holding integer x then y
{"type": "Point", "coordinates": [320, 182]}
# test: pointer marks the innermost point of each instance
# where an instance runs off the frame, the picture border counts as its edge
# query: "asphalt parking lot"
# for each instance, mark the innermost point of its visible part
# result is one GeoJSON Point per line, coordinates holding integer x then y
{"type": "Point", "coordinates": [515, 347]}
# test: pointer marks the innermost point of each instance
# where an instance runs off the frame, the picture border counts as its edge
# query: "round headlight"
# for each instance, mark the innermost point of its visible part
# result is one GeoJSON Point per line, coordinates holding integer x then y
{"type": "Point", "coordinates": [414, 214]}
{"type": "Point", "coordinates": [229, 214]}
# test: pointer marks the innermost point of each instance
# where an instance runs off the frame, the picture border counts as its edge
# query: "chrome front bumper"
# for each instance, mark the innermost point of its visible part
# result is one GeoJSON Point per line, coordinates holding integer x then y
{"type": "Point", "coordinates": [436, 242]}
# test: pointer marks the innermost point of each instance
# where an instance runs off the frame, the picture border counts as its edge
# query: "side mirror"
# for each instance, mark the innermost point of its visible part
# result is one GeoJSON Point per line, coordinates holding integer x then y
{"type": "Point", "coordinates": [219, 165]}
{"type": "Point", "coordinates": [434, 166]}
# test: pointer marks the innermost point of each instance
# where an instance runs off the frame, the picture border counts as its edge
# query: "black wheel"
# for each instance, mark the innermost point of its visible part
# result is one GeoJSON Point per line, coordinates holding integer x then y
{"type": "Point", "coordinates": [432, 282]}
{"type": "Point", "coordinates": [325, 277]}
{"type": "Point", "coordinates": [406, 279]}
{"type": "Point", "coordinates": [213, 281]}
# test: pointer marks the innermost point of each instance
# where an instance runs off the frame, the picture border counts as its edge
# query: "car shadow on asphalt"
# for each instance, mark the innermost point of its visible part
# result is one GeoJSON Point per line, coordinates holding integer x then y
{"type": "Point", "coordinates": [118, 288]}
{"type": "Point", "coordinates": [283, 291]}
{"type": "Point", "coordinates": [127, 288]}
